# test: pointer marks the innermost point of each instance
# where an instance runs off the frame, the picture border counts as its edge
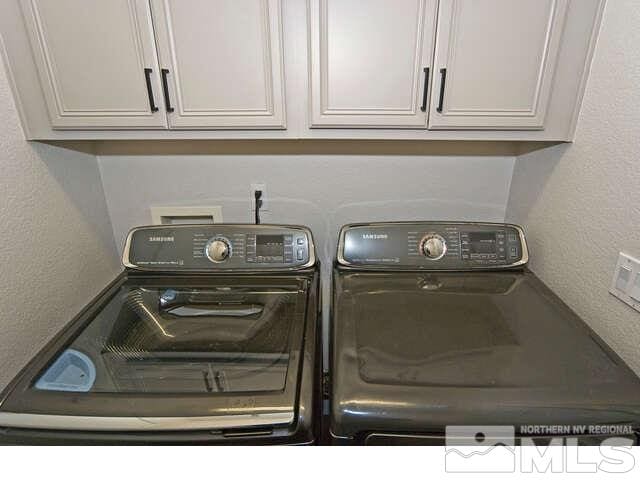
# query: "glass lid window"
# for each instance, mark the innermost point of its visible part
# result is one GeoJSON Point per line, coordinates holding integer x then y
{"type": "Point", "coordinates": [181, 340]}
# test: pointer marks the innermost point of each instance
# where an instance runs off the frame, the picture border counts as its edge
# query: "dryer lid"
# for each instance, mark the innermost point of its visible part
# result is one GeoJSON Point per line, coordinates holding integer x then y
{"type": "Point", "coordinates": [437, 349]}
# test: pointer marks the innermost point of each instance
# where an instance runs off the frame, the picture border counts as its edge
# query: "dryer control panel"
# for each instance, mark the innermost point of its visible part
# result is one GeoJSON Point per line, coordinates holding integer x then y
{"type": "Point", "coordinates": [432, 246]}
{"type": "Point", "coordinates": [221, 247]}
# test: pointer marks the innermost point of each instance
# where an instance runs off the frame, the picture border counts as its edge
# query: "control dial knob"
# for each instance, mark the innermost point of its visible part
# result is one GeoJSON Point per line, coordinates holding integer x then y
{"type": "Point", "coordinates": [218, 249]}
{"type": "Point", "coordinates": [433, 246]}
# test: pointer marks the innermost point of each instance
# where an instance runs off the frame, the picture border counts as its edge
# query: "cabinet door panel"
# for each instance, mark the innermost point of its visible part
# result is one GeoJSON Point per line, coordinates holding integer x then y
{"type": "Point", "coordinates": [224, 59]}
{"type": "Point", "coordinates": [91, 58]}
{"type": "Point", "coordinates": [367, 61]}
{"type": "Point", "coordinates": [500, 58]}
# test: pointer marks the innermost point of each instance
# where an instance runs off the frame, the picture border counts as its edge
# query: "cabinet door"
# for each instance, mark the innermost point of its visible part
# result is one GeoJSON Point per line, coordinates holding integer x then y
{"type": "Point", "coordinates": [369, 60]}
{"type": "Point", "coordinates": [97, 62]}
{"type": "Point", "coordinates": [221, 62]}
{"type": "Point", "coordinates": [494, 63]}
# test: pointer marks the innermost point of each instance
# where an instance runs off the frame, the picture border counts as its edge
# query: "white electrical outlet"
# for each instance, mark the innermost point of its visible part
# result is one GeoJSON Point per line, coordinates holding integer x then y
{"type": "Point", "coordinates": [626, 281]}
{"type": "Point", "coordinates": [265, 198]}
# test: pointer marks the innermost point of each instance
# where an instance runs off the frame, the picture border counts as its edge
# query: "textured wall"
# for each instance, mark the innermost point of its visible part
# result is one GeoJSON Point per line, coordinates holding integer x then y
{"type": "Point", "coordinates": [321, 191]}
{"type": "Point", "coordinates": [580, 203]}
{"type": "Point", "coordinates": [56, 242]}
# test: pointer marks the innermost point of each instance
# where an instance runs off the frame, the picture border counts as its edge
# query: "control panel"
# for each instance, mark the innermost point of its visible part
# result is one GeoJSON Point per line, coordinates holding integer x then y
{"type": "Point", "coordinates": [219, 248]}
{"type": "Point", "coordinates": [432, 246]}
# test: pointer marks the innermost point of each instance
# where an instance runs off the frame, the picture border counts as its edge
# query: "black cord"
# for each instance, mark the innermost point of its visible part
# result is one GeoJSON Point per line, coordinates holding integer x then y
{"type": "Point", "coordinates": [258, 195]}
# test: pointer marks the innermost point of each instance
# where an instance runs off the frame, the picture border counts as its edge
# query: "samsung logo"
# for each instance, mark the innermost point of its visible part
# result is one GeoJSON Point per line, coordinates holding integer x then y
{"type": "Point", "coordinates": [161, 239]}
{"type": "Point", "coordinates": [375, 236]}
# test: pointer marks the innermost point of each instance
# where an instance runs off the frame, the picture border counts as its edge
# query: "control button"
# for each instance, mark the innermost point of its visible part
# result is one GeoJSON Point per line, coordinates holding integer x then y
{"type": "Point", "coordinates": [513, 252]}
{"type": "Point", "coordinates": [513, 237]}
{"type": "Point", "coordinates": [300, 241]}
{"type": "Point", "coordinates": [218, 249]}
{"type": "Point", "coordinates": [433, 246]}
{"type": "Point", "coordinates": [300, 254]}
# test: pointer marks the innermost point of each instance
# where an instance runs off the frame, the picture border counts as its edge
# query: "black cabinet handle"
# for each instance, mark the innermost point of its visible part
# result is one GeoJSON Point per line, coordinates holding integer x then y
{"type": "Point", "coordinates": [152, 103]}
{"type": "Point", "coordinates": [165, 89]}
{"type": "Point", "coordinates": [443, 79]}
{"type": "Point", "coordinates": [425, 91]}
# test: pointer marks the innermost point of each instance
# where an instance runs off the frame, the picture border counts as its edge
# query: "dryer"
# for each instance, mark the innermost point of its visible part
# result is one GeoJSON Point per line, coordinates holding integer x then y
{"type": "Point", "coordinates": [440, 324]}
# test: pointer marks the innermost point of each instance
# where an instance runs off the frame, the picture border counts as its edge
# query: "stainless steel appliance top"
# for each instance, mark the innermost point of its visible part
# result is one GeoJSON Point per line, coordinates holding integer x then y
{"type": "Point", "coordinates": [454, 246]}
{"type": "Point", "coordinates": [219, 248]}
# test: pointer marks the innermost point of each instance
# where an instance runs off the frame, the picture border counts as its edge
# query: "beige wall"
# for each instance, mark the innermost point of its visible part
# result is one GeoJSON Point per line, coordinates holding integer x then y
{"type": "Point", "coordinates": [580, 203]}
{"type": "Point", "coordinates": [56, 242]}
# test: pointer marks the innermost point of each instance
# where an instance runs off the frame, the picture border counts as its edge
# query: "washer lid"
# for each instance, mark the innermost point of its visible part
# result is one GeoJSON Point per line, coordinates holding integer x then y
{"type": "Point", "coordinates": [414, 352]}
{"type": "Point", "coordinates": [214, 352]}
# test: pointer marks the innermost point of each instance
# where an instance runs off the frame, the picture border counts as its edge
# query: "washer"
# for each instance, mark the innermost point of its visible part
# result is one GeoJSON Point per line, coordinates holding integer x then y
{"type": "Point", "coordinates": [438, 324]}
{"type": "Point", "coordinates": [209, 336]}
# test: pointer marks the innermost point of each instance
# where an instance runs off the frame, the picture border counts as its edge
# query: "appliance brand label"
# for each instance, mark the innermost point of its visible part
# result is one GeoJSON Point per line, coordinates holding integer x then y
{"type": "Point", "coordinates": [161, 239]}
{"type": "Point", "coordinates": [375, 236]}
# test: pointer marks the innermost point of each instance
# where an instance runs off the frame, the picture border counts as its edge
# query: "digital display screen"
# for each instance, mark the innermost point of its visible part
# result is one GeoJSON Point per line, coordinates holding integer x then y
{"type": "Point", "coordinates": [270, 245]}
{"type": "Point", "coordinates": [482, 242]}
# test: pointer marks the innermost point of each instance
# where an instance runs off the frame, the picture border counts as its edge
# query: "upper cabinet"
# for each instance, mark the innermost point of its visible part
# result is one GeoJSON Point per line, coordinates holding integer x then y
{"type": "Point", "coordinates": [97, 62]}
{"type": "Point", "coordinates": [370, 62]}
{"type": "Point", "coordinates": [493, 66]}
{"type": "Point", "coordinates": [218, 64]}
{"type": "Point", "coordinates": [511, 70]}
{"type": "Point", "coordinates": [495, 62]}
{"type": "Point", "coordinates": [221, 62]}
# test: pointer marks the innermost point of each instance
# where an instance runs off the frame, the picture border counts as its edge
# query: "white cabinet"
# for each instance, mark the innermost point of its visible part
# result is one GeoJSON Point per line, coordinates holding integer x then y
{"type": "Point", "coordinates": [368, 62]}
{"type": "Point", "coordinates": [222, 62]}
{"type": "Point", "coordinates": [219, 64]}
{"type": "Point", "coordinates": [495, 62]}
{"type": "Point", "coordinates": [445, 70]}
{"type": "Point", "coordinates": [97, 62]}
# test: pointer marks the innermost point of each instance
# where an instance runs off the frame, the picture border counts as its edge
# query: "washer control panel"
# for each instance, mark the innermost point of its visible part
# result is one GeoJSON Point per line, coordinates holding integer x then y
{"type": "Point", "coordinates": [432, 246]}
{"type": "Point", "coordinates": [219, 247]}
